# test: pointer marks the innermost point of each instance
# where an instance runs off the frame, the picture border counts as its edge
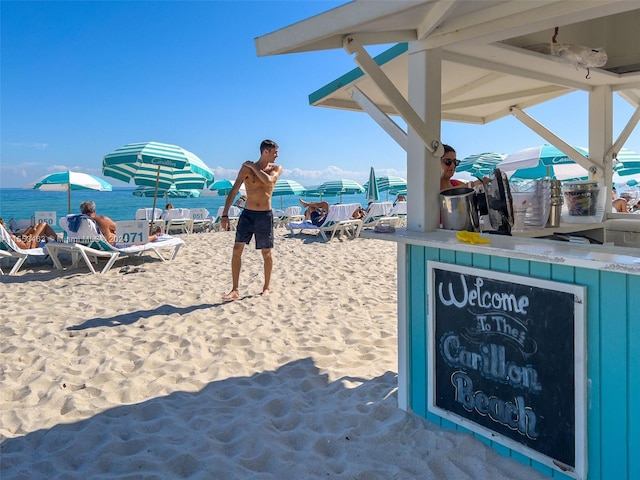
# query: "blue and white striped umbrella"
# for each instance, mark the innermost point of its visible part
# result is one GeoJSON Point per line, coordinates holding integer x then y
{"type": "Point", "coordinates": [340, 187]}
{"type": "Point", "coordinates": [154, 164]}
{"type": "Point", "coordinates": [172, 192]}
{"type": "Point", "coordinates": [480, 165]}
{"type": "Point", "coordinates": [543, 161]}
{"type": "Point", "coordinates": [157, 165]}
{"type": "Point", "coordinates": [69, 180]}
{"type": "Point", "coordinates": [287, 187]}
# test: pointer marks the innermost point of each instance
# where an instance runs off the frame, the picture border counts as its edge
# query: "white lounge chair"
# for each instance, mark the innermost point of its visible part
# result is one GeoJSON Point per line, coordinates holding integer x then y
{"type": "Point", "coordinates": [88, 244]}
{"type": "Point", "coordinates": [9, 248]}
{"type": "Point", "coordinates": [400, 210]}
{"type": "Point", "coordinates": [291, 214]}
{"type": "Point", "coordinates": [234, 215]}
{"type": "Point", "coordinates": [339, 220]}
{"type": "Point", "coordinates": [379, 213]}
{"type": "Point", "coordinates": [177, 220]}
{"type": "Point", "coordinates": [200, 220]}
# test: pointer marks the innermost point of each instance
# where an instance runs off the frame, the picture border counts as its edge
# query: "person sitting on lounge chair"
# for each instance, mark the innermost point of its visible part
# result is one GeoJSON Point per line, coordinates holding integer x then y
{"type": "Point", "coordinates": [32, 236]}
{"type": "Point", "coordinates": [316, 212]}
{"type": "Point", "coordinates": [106, 225]}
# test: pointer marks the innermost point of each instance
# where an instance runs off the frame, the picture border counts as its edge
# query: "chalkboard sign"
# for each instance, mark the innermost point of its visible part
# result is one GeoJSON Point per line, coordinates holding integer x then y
{"type": "Point", "coordinates": [507, 360]}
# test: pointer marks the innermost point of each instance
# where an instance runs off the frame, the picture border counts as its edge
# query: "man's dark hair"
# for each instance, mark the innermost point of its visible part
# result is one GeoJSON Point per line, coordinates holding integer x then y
{"type": "Point", "coordinates": [268, 144]}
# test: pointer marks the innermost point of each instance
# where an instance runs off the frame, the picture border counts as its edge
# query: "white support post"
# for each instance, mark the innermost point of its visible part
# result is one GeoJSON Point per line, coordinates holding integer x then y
{"type": "Point", "coordinates": [592, 166]}
{"type": "Point", "coordinates": [601, 135]}
{"type": "Point", "coordinates": [423, 167]}
{"type": "Point", "coordinates": [381, 118]}
{"type": "Point", "coordinates": [388, 89]}
{"type": "Point", "coordinates": [624, 135]}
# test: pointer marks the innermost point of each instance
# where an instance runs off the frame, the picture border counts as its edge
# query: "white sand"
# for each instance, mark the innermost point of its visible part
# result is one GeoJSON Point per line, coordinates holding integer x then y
{"type": "Point", "coordinates": [149, 375]}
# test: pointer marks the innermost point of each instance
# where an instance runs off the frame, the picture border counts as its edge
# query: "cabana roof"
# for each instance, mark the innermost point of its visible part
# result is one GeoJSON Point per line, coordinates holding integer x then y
{"type": "Point", "coordinates": [495, 54]}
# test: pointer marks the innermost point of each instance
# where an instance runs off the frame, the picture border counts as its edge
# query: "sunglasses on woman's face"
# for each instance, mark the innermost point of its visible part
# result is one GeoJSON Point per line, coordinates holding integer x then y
{"type": "Point", "coordinates": [448, 161]}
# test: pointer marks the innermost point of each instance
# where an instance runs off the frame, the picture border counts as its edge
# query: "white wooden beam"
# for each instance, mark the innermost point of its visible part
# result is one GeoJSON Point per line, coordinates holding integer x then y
{"type": "Point", "coordinates": [389, 90]}
{"type": "Point", "coordinates": [532, 92]}
{"type": "Point", "coordinates": [512, 70]}
{"type": "Point", "coordinates": [626, 132]}
{"type": "Point", "coordinates": [432, 20]}
{"type": "Point", "coordinates": [589, 164]}
{"type": "Point", "coordinates": [381, 118]}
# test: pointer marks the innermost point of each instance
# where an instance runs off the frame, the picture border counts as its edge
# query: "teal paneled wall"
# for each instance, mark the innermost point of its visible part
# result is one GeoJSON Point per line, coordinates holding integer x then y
{"type": "Point", "coordinates": [613, 355]}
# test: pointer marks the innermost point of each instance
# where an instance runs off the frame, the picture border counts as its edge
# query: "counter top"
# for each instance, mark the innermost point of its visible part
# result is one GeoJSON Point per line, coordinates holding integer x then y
{"type": "Point", "coordinates": [598, 257]}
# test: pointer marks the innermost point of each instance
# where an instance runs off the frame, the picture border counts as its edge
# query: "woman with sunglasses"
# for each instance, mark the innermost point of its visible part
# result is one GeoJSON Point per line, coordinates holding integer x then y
{"type": "Point", "coordinates": [448, 164]}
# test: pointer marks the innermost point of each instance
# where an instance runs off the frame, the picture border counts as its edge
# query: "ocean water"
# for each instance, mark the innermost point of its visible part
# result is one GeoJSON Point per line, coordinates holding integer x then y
{"type": "Point", "coordinates": [121, 204]}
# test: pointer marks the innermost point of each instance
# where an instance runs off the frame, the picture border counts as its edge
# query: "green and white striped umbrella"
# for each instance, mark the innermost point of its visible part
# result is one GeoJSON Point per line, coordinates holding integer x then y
{"type": "Point", "coordinates": [480, 164]}
{"type": "Point", "coordinates": [287, 187]}
{"type": "Point", "coordinates": [69, 180]}
{"type": "Point", "coordinates": [340, 187]}
{"type": "Point", "coordinates": [157, 165]}
{"type": "Point", "coordinates": [172, 192]}
{"type": "Point", "coordinates": [154, 164]}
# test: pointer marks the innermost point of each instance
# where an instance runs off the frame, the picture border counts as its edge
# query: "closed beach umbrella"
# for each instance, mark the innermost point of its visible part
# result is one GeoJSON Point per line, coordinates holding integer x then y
{"type": "Point", "coordinates": [157, 165]}
{"type": "Point", "coordinates": [372, 193]}
{"type": "Point", "coordinates": [287, 187]}
{"type": "Point", "coordinates": [543, 161]}
{"type": "Point", "coordinates": [340, 187]}
{"type": "Point", "coordinates": [67, 181]}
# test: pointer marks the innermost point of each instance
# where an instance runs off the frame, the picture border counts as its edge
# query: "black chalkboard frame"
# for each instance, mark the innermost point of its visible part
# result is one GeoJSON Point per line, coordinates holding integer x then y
{"type": "Point", "coordinates": [577, 468]}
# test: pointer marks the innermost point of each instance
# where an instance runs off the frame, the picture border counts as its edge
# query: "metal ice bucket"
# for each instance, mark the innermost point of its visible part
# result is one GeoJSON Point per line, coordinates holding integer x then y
{"type": "Point", "coordinates": [458, 209]}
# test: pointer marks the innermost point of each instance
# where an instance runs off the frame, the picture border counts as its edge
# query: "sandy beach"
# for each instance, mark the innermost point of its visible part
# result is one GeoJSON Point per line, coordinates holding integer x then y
{"type": "Point", "coordinates": [150, 375]}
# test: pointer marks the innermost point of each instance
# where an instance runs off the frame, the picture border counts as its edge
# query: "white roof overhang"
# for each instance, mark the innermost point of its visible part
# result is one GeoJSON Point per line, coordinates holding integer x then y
{"type": "Point", "coordinates": [490, 50]}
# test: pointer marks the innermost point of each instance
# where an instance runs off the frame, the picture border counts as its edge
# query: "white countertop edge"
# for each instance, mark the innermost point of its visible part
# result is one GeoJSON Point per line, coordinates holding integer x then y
{"type": "Point", "coordinates": [595, 257]}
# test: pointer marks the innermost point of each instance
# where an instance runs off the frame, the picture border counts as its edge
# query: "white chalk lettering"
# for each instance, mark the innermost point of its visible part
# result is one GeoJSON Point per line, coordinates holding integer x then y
{"type": "Point", "coordinates": [506, 302]}
{"type": "Point", "coordinates": [491, 362]}
{"type": "Point", "coordinates": [514, 414]}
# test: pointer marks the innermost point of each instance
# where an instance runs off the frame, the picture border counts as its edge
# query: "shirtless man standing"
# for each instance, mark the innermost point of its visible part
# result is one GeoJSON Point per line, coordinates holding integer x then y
{"type": "Point", "coordinates": [259, 179]}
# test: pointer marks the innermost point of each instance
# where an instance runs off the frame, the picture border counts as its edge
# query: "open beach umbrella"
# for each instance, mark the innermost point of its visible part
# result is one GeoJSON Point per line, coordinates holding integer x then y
{"type": "Point", "coordinates": [287, 187]}
{"type": "Point", "coordinates": [172, 192]}
{"type": "Point", "coordinates": [480, 164]}
{"type": "Point", "coordinates": [67, 181]}
{"type": "Point", "coordinates": [340, 187]}
{"type": "Point", "coordinates": [543, 161]}
{"type": "Point", "coordinates": [157, 165]}
{"type": "Point", "coordinates": [221, 187]}
{"type": "Point", "coordinates": [627, 159]}
{"type": "Point", "coordinates": [372, 193]}
{"type": "Point", "coordinates": [391, 184]}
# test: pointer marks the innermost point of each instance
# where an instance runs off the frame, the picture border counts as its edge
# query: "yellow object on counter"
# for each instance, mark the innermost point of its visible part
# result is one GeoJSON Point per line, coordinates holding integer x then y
{"type": "Point", "coordinates": [471, 237]}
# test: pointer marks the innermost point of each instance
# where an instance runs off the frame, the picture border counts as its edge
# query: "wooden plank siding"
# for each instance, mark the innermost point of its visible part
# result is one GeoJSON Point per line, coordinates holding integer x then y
{"type": "Point", "coordinates": [613, 355]}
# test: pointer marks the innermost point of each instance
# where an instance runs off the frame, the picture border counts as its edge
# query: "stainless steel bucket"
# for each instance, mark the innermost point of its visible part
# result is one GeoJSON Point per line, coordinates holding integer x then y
{"type": "Point", "coordinates": [459, 210]}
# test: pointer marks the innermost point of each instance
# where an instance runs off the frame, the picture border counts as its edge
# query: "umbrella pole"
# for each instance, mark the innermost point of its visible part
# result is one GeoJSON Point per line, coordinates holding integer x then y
{"type": "Point", "coordinates": [155, 198]}
{"type": "Point", "coordinates": [69, 199]}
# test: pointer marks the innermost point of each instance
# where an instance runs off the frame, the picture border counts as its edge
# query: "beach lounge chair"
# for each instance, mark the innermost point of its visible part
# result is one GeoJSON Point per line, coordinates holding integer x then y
{"type": "Point", "coordinates": [234, 215]}
{"type": "Point", "coordinates": [9, 249]}
{"type": "Point", "coordinates": [88, 244]}
{"type": "Point", "coordinates": [178, 220]}
{"type": "Point", "coordinates": [400, 210]}
{"type": "Point", "coordinates": [379, 213]}
{"type": "Point", "coordinates": [200, 220]}
{"type": "Point", "coordinates": [291, 214]}
{"type": "Point", "coordinates": [339, 220]}
{"type": "Point", "coordinates": [145, 214]}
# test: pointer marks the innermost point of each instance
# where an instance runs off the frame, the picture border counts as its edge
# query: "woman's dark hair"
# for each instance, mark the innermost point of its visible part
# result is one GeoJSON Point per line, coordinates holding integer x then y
{"type": "Point", "coordinates": [448, 148]}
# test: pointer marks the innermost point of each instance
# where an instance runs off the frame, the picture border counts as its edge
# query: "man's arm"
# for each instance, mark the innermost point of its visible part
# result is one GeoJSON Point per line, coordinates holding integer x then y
{"type": "Point", "coordinates": [267, 175]}
{"type": "Point", "coordinates": [224, 220]}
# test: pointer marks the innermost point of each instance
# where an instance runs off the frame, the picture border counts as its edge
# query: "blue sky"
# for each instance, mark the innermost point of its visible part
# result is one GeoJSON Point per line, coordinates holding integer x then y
{"type": "Point", "coordinates": [82, 78]}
